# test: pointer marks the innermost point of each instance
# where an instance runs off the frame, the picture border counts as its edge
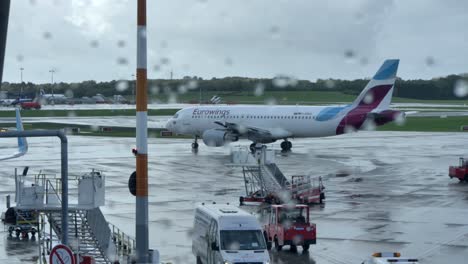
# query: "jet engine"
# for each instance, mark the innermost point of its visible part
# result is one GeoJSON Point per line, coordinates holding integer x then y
{"type": "Point", "coordinates": [387, 116]}
{"type": "Point", "coordinates": [218, 138]}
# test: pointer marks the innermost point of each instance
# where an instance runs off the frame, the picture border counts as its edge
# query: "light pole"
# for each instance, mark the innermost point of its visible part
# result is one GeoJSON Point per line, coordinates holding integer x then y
{"type": "Point", "coordinates": [52, 80]}
{"type": "Point", "coordinates": [21, 87]}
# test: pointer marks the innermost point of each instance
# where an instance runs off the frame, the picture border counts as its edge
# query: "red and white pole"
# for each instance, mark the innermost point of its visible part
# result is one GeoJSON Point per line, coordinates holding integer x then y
{"type": "Point", "coordinates": [142, 139]}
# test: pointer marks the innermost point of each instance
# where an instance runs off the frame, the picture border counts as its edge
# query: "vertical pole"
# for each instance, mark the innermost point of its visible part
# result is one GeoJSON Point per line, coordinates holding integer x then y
{"type": "Point", "coordinates": [141, 138]}
{"type": "Point", "coordinates": [4, 14]}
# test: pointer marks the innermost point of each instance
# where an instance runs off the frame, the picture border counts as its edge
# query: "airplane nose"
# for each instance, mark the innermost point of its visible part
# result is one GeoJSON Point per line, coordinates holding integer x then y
{"type": "Point", "coordinates": [169, 125]}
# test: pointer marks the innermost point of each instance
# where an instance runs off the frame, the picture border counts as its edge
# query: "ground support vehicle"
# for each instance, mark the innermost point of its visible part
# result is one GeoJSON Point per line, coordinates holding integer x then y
{"type": "Point", "coordinates": [226, 234]}
{"type": "Point", "coordinates": [461, 171]}
{"type": "Point", "coordinates": [30, 105]}
{"type": "Point", "coordinates": [290, 225]}
{"type": "Point", "coordinates": [21, 222]}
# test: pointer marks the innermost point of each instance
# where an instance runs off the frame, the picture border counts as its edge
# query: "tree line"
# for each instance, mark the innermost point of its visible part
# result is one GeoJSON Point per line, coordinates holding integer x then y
{"type": "Point", "coordinates": [434, 89]}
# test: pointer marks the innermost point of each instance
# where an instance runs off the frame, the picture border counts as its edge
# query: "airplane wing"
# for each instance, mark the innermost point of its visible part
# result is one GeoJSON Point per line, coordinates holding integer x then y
{"type": "Point", "coordinates": [22, 143]}
{"type": "Point", "coordinates": [256, 134]}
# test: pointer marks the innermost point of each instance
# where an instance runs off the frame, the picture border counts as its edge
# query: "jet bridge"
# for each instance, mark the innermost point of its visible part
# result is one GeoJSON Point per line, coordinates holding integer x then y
{"type": "Point", "coordinates": [265, 182]}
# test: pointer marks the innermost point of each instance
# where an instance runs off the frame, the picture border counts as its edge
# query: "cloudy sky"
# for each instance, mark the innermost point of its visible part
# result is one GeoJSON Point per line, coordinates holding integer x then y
{"type": "Point", "coordinates": [306, 39]}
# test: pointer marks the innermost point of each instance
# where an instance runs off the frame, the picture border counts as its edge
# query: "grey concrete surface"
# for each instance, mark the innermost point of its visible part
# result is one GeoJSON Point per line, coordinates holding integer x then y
{"type": "Point", "coordinates": [397, 196]}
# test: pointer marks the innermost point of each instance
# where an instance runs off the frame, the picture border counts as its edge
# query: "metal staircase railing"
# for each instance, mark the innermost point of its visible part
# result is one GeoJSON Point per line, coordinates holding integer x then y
{"type": "Point", "coordinates": [277, 174]}
{"type": "Point", "coordinates": [82, 237]}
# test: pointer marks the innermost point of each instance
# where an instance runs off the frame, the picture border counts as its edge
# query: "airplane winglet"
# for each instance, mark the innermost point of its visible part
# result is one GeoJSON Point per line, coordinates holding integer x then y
{"type": "Point", "coordinates": [22, 142]}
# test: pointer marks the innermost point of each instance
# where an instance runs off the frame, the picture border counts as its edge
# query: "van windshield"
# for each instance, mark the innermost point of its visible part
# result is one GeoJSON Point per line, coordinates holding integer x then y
{"type": "Point", "coordinates": [242, 240]}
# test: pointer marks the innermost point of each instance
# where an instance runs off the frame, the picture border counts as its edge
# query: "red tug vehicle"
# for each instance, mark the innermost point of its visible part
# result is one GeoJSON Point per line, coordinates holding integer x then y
{"type": "Point", "coordinates": [289, 225]}
{"type": "Point", "coordinates": [460, 172]}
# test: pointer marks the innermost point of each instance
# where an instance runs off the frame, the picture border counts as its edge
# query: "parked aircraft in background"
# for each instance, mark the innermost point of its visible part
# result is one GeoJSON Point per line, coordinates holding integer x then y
{"type": "Point", "coordinates": [219, 125]}
{"type": "Point", "coordinates": [22, 142]}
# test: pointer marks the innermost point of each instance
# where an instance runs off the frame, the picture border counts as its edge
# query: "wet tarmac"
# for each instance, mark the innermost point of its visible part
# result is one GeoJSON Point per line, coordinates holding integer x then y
{"type": "Point", "coordinates": [396, 195]}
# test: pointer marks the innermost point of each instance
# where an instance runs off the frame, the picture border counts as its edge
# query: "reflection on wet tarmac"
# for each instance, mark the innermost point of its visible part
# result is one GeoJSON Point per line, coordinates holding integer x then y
{"type": "Point", "coordinates": [395, 196]}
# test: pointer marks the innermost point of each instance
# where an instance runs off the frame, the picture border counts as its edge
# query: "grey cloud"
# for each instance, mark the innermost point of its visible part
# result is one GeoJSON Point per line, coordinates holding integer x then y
{"type": "Point", "coordinates": [262, 38]}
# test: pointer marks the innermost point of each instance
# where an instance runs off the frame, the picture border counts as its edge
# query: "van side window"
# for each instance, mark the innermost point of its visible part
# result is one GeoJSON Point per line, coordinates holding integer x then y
{"type": "Point", "coordinates": [213, 235]}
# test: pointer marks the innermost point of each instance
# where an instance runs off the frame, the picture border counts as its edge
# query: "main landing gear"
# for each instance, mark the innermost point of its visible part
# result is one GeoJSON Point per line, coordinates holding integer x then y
{"type": "Point", "coordinates": [286, 146]}
{"type": "Point", "coordinates": [195, 144]}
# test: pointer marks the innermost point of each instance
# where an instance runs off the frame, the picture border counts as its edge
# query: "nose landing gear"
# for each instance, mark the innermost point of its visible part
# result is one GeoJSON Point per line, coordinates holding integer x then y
{"type": "Point", "coordinates": [195, 143]}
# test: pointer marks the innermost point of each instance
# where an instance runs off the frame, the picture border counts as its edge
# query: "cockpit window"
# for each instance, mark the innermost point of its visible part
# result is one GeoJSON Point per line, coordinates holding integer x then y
{"type": "Point", "coordinates": [176, 115]}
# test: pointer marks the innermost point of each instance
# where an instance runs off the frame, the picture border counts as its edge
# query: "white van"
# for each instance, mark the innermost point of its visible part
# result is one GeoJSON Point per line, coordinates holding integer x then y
{"type": "Point", "coordinates": [227, 235]}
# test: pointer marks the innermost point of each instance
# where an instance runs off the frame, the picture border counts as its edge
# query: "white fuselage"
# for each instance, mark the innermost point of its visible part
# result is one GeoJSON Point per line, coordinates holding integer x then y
{"type": "Point", "coordinates": [282, 121]}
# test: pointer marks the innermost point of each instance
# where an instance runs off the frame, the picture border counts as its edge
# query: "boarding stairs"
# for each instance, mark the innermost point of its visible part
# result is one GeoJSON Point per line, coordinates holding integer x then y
{"type": "Point", "coordinates": [89, 233]}
{"type": "Point", "coordinates": [261, 174]}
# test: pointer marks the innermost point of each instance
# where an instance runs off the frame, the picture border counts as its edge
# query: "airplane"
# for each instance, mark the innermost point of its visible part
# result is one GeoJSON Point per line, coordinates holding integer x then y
{"type": "Point", "coordinates": [218, 125]}
{"type": "Point", "coordinates": [22, 142]}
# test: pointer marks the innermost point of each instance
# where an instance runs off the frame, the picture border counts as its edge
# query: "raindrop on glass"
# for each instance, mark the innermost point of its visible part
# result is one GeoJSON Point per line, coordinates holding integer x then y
{"type": "Point", "coordinates": [19, 58]}
{"type": "Point", "coordinates": [122, 61]}
{"type": "Point", "coordinates": [330, 84]}
{"type": "Point", "coordinates": [121, 85]}
{"type": "Point", "coordinates": [275, 32]}
{"type": "Point", "coordinates": [121, 43]}
{"type": "Point", "coordinates": [282, 81]}
{"type": "Point", "coordinates": [156, 68]}
{"type": "Point", "coordinates": [94, 44]}
{"type": "Point", "coordinates": [461, 88]}
{"type": "Point", "coordinates": [364, 61]}
{"type": "Point", "coordinates": [350, 56]}
{"type": "Point", "coordinates": [400, 119]}
{"type": "Point", "coordinates": [164, 61]}
{"type": "Point", "coordinates": [270, 101]}
{"type": "Point", "coordinates": [47, 35]}
{"type": "Point", "coordinates": [154, 89]}
{"type": "Point", "coordinates": [71, 114]}
{"type": "Point", "coordinates": [172, 99]}
{"type": "Point", "coordinates": [182, 89]}
{"type": "Point", "coordinates": [259, 89]}
{"type": "Point", "coordinates": [369, 125]}
{"type": "Point", "coordinates": [430, 61]}
{"type": "Point", "coordinates": [368, 99]}
{"type": "Point", "coordinates": [228, 61]}
{"type": "Point", "coordinates": [192, 84]}
{"type": "Point", "coordinates": [69, 93]}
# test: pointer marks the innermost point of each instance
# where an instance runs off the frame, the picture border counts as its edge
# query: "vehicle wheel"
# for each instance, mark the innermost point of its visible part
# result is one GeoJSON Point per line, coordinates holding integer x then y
{"type": "Point", "coordinates": [322, 197]}
{"type": "Point", "coordinates": [293, 248]}
{"type": "Point", "coordinates": [466, 178]}
{"type": "Point", "coordinates": [267, 241]}
{"type": "Point", "coordinates": [284, 145]}
{"type": "Point", "coordinates": [289, 145]}
{"type": "Point", "coordinates": [252, 147]}
{"type": "Point", "coordinates": [195, 145]}
{"type": "Point", "coordinates": [305, 247]}
{"type": "Point", "coordinates": [199, 260]}
{"type": "Point", "coordinates": [278, 247]}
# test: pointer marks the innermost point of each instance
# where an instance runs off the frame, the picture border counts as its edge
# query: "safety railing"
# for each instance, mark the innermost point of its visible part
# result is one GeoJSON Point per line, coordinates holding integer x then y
{"type": "Point", "coordinates": [125, 245]}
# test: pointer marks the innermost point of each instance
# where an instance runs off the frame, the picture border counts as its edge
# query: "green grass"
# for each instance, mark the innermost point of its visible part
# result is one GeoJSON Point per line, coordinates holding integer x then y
{"type": "Point", "coordinates": [86, 130]}
{"type": "Point", "coordinates": [84, 113]}
{"type": "Point", "coordinates": [289, 97]}
{"type": "Point", "coordinates": [429, 124]}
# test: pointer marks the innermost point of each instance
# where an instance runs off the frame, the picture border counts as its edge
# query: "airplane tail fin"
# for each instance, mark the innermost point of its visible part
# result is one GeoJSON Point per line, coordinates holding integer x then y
{"type": "Point", "coordinates": [22, 142]}
{"type": "Point", "coordinates": [378, 92]}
